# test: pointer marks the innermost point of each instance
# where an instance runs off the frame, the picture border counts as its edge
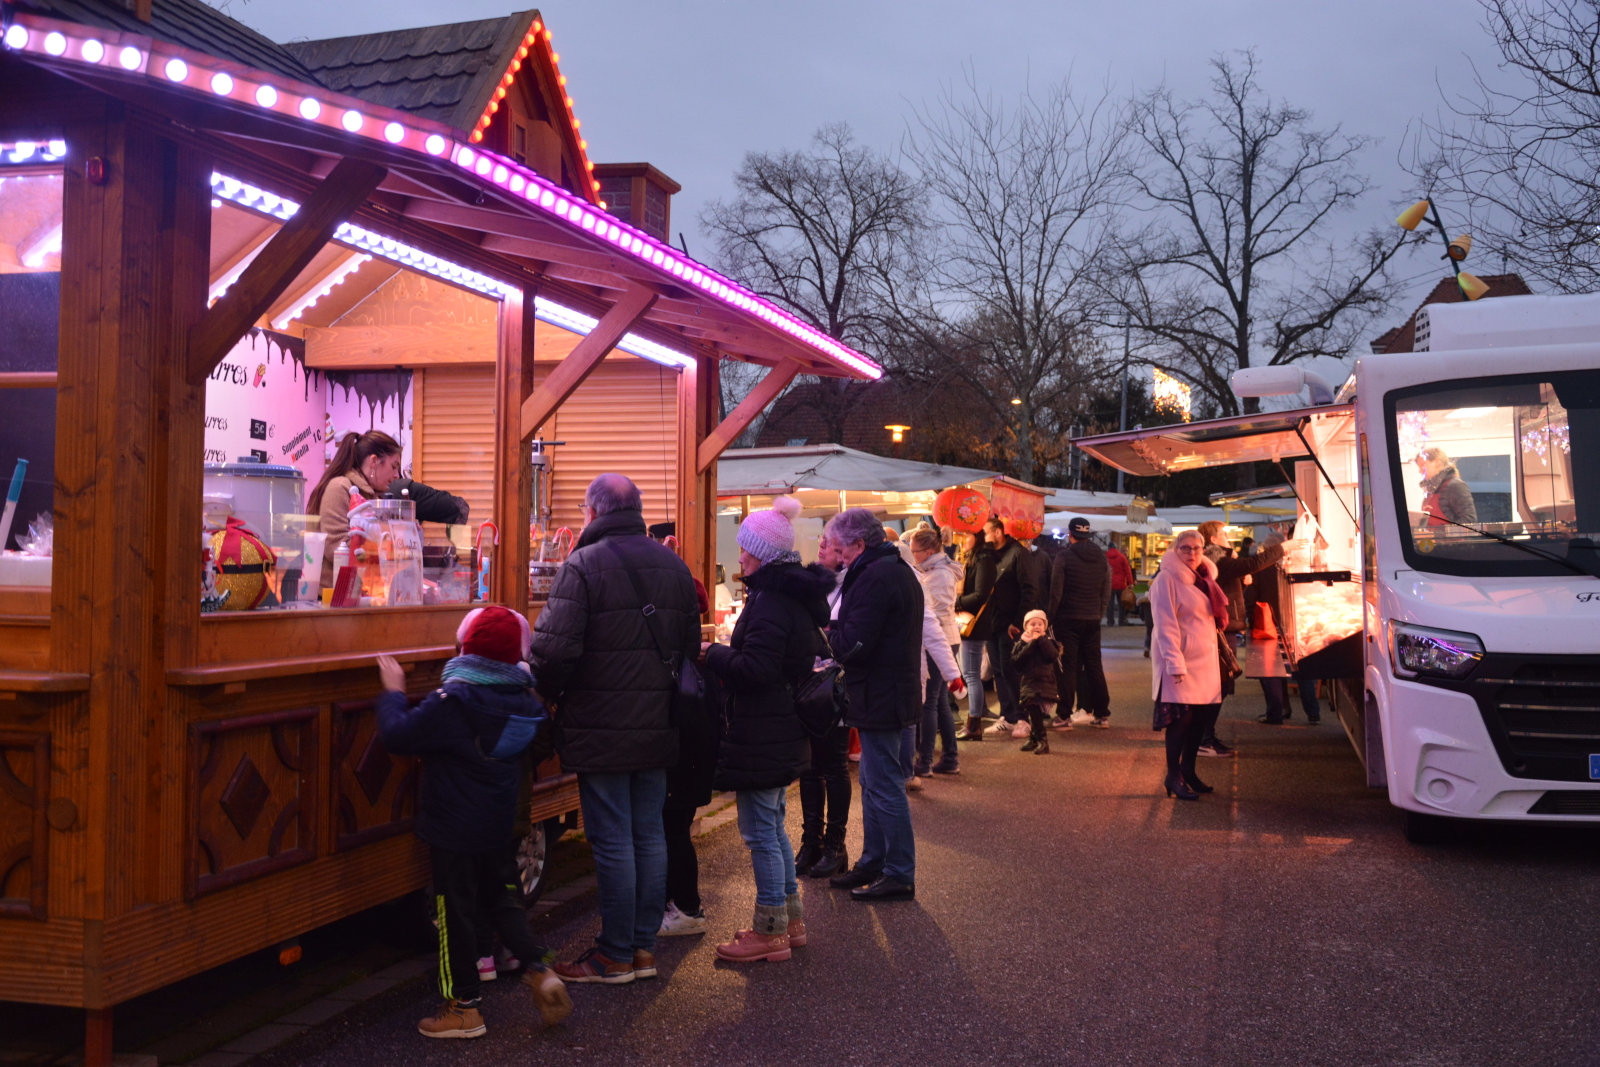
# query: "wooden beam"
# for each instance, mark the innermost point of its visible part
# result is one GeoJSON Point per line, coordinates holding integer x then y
{"type": "Point", "coordinates": [284, 257]}
{"type": "Point", "coordinates": [754, 402]}
{"type": "Point", "coordinates": [513, 466]}
{"type": "Point", "coordinates": [585, 357]}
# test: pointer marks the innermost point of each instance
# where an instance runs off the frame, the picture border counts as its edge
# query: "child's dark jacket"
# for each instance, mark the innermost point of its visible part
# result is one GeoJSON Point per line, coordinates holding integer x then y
{"type": "Point", "coordinates": [1036, 662]}
{"type": "Point", "coordinates": [471, 739]}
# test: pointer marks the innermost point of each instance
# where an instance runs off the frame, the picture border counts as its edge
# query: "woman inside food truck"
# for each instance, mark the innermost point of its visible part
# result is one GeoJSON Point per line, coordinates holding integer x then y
{"type": "Point", "coordinates": [1448, 500]}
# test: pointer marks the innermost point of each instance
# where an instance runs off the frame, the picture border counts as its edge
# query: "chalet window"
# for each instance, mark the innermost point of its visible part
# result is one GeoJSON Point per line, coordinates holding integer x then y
{"type": "Point", "coordinates": [356, 344]}
{"type": "Point", "coordinates": [30, 319]}
{"type": "Point", "coordinates": [519, 141]}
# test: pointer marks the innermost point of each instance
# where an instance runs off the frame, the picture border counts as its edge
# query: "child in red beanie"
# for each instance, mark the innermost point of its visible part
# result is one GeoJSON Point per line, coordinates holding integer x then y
{"type": "Point", "coordinates": [471, 733]}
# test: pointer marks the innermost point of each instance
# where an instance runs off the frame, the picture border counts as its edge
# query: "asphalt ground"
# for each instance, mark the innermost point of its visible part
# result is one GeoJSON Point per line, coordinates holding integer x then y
{"type": "Point", "coordinates": [1068, 912]}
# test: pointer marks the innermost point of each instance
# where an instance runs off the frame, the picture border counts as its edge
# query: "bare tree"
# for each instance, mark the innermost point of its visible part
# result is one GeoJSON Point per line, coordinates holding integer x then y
{"type": "Point", "coordinates": [1233, 266]}
{"type": "Point", "coordinates": [1023, 199]}
{"type": "Point", "coordinates": [817, 232]}
{"type": "Point", "coordinates": [1524, 153]}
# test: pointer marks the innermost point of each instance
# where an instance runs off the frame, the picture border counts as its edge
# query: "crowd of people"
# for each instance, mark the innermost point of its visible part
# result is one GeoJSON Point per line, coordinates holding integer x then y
{"type": "Point", "coordinates": [602, 677]}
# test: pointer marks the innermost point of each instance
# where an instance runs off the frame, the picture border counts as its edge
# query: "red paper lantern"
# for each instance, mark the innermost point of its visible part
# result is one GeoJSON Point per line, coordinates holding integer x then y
{"type": "Point", "coordinates": [961, 508]}
{"type": "Point", "coordinates": [1023, 527]}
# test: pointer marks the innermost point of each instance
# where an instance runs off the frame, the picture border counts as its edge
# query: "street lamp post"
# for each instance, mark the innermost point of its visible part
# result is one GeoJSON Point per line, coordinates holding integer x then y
{"type": "Point", "coordinates": [1122, 419]}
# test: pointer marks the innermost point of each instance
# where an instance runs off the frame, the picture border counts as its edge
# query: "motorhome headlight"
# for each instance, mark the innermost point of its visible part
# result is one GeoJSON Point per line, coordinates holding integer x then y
{"type": "Point", "coordinates": [1439, 653]}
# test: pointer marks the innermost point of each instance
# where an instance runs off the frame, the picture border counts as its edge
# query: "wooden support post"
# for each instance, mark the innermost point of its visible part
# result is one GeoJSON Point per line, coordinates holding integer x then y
{"type": "Point", "coordinates": [513, 470]}
{"type": "Point", "coordinates": [97, 1037]}
{"type": "Point", "coordinates": [283, 258]}
{"type": "Point", "coordinates": [698, 392]}
{"type": "Point", "coordinates": [753, 404]}
{"type": "Point", "coordinates": [585, 357]}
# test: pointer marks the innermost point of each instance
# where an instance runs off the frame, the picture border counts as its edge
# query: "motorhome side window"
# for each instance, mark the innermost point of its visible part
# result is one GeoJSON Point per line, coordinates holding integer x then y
{"type": "Point", "coordinates": [1499, 475]}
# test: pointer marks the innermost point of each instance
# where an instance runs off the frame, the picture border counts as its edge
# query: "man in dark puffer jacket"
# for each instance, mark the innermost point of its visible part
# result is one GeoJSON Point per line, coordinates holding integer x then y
{"type": "Point", "coordinates": [1080, 589]}
{"type": "Point", "coordinates": [878, 639]}
{"type": "Point", "coordinates": [596, 660]}
{"type": "Point", "coordinates": [765, 747]}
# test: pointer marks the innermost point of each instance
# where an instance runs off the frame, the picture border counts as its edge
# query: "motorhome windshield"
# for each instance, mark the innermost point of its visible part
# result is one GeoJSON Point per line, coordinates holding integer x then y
{"type": "Point", "coordinates": [1499, 476]}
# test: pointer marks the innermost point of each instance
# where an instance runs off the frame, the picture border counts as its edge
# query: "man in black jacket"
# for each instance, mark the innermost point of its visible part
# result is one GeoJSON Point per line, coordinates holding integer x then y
{"type": "Point", "coordinates": [878, 639]}
{"type": "Point", "coordinates": [1080, 589]}
{"type": "Point", "coordinates": [599, 657]}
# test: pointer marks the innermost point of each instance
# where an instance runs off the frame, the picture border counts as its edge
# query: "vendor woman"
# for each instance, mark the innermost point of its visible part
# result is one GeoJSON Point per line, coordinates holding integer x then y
{"type": "Point", "coordinates": [370, 463]}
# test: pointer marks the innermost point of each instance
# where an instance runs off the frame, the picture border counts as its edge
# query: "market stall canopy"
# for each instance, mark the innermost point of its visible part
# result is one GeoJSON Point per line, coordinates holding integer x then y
{"type": "Point", "coordinates": [1055, 522]}
{"type": "Point", "coordinates": [770, 471]}
{"type": "Point", "coordinates": [1086, 502]}
{"type": "Point", "coordinates": [827, 478]}
{"type": "Point", "coordinates": [1269, 435]}
{"type": "Point", "coordinates": [417, 183]}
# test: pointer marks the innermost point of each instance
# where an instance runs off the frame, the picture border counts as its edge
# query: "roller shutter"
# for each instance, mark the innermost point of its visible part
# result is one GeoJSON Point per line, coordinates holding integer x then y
{"type": "Point", "coordinates": [623, 418]}
{"type": "Point", "coordinates": [453, 441]}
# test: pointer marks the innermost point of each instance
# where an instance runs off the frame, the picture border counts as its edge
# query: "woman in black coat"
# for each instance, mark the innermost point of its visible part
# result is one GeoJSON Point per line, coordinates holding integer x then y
{"type": "Point", "coordinates": [765, 747]}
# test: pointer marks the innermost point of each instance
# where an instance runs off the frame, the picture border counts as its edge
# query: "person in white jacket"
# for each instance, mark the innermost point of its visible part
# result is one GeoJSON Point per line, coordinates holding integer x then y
{"type": "Point", "coordinates": [941, 579]}
{"type": "Point", "coordinates": [1189, 610]}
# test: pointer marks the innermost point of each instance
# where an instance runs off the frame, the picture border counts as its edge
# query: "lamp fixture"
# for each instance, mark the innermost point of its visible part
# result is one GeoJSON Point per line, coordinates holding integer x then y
{"type": "Point", "coordinates": [897, 432]}
{"type": "Point", "coordinates": [1454, 251]}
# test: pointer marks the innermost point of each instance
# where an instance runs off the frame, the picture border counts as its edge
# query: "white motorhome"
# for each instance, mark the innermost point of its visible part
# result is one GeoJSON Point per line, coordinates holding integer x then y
{"type": "Point", "coordinates": [1463, 640]}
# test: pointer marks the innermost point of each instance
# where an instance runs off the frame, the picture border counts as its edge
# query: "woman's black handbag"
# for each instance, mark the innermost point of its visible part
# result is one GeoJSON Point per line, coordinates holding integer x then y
{"type": "Point", "coordinates": [819, 701]}
{"type": "Point", "coordinates": [1227, 662]}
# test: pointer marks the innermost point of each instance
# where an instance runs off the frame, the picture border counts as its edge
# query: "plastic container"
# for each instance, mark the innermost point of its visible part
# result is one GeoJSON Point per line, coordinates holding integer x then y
{"type": "Point", "coordinates": [268, 498]}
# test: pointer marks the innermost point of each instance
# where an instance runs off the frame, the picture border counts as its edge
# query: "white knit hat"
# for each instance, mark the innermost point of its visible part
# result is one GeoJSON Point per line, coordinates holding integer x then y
{"type": "Point", "coordinates": [769, 535]}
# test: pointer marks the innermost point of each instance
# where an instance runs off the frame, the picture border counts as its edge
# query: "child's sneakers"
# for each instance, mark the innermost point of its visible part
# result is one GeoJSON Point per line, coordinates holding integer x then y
{"type": "Point", "coordinates": [486, 969]}
{"type": "Point", "coordinates": [454, 1019]}
{"type": "Point", "coordinates": [549, 996]}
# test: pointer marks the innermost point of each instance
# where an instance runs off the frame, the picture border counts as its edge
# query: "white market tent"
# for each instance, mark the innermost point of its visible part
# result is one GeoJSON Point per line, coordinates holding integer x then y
{"type": "Point", "coordinates": [1087, 502]}
{"type": "Point", "coordinates": [827, 478]}
{"type": "Point", "coordinates": [1055, 522]}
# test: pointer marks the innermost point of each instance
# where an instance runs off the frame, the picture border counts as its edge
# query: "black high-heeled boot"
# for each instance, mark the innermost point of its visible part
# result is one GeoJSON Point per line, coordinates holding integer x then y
{"type": "Point", "coordinates": [1196, 784]}
{"type": "Point", "coordinates": [810, 852]}
{"type": "Point", "coordinates": [1176, 788]}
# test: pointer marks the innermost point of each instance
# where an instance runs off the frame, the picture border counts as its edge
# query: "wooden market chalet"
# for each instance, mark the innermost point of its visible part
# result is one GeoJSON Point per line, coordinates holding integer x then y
{"type": "Point", "coordinates": [184, 206]}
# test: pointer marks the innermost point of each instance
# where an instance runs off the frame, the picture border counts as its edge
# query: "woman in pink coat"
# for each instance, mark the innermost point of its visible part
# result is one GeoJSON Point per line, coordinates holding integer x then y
{"type": "Point", "coordinates": [1185, 679]}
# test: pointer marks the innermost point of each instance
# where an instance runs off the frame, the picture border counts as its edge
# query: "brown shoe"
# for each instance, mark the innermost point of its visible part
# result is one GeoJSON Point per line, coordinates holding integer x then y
{"type": "Point", "coordinates": [549, 995]}
{"type": "Point", "coordinates": [453, 1019]}
{"type": "Point", "coordinates": [797, 933]}
{"type": "Point", "coordinates": [594, 967]}
{"type": "Point", "coordinates": [748, 946]}
{"type": "Point", "coordinates": [644, 963]}
{"type": "Point", "coordinates": [973, 732]}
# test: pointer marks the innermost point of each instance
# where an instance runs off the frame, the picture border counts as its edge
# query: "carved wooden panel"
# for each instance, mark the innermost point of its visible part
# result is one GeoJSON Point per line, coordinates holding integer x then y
{"type": "Point", "coordinates": [24, 832]}
{"type": "Point", "coordinates": [252, 798]}
{"type": "Point", "coordinates": [374, 793]}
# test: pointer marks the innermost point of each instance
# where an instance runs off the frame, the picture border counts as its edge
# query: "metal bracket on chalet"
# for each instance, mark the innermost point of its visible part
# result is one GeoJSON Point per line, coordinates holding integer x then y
{"type": "Point", "coordinates": [585, 357]}
{"type": "Point", "coordinates": [280, 262]}
{"type": "Point", "coordinates": [753, 404]}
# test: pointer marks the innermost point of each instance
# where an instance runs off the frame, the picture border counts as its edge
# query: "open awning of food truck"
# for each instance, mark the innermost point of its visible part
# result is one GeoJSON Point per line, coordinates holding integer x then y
{"type": "Point", "coordinates": [1269, 435]}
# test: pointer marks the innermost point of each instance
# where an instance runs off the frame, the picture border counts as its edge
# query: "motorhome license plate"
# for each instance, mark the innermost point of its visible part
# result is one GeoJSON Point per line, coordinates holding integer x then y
{"type": "Point", "coordinates": [1594, 766]}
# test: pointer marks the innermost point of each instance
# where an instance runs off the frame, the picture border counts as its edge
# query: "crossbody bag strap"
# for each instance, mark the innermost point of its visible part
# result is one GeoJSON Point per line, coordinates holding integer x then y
{"type": "Point", "coordinates": [647, 609]}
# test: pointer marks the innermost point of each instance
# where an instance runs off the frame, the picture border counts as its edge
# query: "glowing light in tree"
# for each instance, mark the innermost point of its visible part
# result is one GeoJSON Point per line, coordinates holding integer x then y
{"type": "Point", "coordinates": [1171, 396]}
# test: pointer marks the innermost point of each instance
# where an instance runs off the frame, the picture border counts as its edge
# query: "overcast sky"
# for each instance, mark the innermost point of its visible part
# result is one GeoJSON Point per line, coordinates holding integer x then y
{"type": "Point", "coordinates": [692, 85]}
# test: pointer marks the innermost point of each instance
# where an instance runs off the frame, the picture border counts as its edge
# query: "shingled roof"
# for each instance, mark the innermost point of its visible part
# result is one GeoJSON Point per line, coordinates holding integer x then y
{"type": "Point", "coordinates": [187, 23]}
{"type": "Point", "coordinates": [444, 73]}
{"type": "Point", "coordinates": [1404, 338]}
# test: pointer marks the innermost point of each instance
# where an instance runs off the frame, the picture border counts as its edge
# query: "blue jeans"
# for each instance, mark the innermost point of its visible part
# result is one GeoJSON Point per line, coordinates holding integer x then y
{"type": "Point", "coordinates": [908, 752]}
{"type": "Point", "coordinates": [972, 673]}
{"type": "Point", "coordinates": [622, 819]}
{"type": "Point", "coordinates": [762, 813]}
{"type": "Point", "coordinates": [938, 718]}
{"type": "Point", "coordinates": [887, 842]}
{"type": "Point", "coordinates": [1004, 673]}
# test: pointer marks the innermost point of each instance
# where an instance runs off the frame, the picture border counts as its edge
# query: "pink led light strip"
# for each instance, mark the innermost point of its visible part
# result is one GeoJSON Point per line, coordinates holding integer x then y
{"type": "Point", "coordinates": [199, 73]}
